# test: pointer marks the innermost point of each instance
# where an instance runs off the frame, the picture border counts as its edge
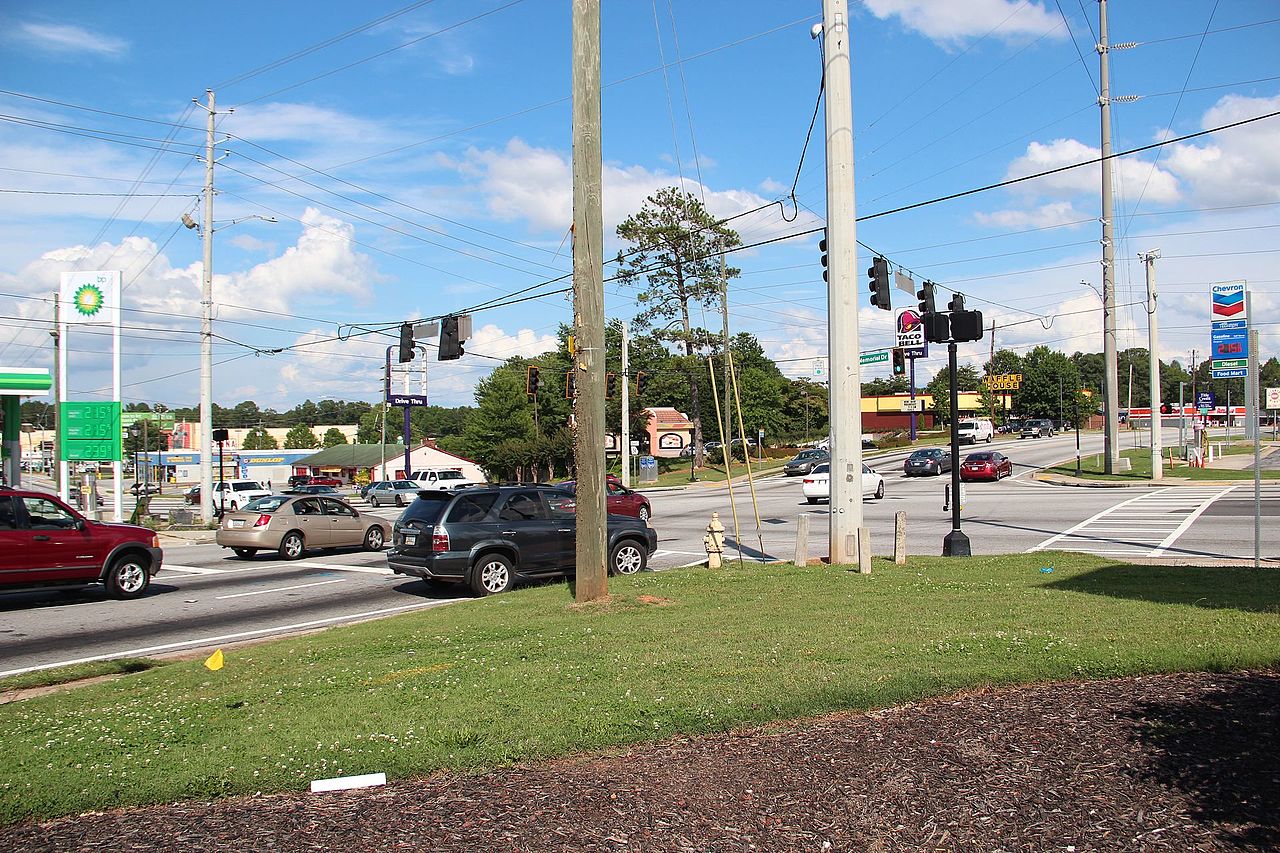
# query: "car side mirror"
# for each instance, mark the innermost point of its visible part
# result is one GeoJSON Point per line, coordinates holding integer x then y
{"type": "Point", "coordinates": [80, 524]}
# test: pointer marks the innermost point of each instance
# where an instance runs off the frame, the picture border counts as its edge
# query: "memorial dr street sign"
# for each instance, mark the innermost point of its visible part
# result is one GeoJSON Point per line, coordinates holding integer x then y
{"type": "Point", "coordinates": [879, 356]}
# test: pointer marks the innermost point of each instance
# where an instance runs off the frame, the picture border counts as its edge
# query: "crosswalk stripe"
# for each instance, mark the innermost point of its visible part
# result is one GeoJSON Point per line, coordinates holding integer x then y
{"type": "Point", "coordinates": [195, 570]}
{"type": "Point", "coordinates": [371, 570]}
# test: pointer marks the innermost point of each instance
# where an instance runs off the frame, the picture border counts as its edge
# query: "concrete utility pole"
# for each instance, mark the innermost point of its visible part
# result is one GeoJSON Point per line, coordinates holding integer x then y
{"type": "Point", "coordinates": [842, 303]}
{"type": "Point", "coordinates": [1111, 403]}
{"type": "Point", "coordinates": [727, 438]}
{"type": "Point", "coordinates": [626, 411]}
{"type": "Point", "coordinates": [206, 331]}
{"type": "Point", "coordinates": [1153, 356]}
{"type": "Point", "coordinates": [591, 583]}
{"type": "Point", "coordinates": [59, 476]}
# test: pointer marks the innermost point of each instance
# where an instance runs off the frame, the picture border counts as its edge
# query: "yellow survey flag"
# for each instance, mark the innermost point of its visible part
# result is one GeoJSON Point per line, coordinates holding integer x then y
{"type": "Point", "coordinates": [214, 661]}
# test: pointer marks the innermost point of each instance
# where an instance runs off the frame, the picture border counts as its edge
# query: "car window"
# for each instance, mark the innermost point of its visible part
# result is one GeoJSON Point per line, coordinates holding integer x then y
{"type": "Point", "coordinates": [8, 513]}
{"type": "Point", "coordinates": [451, 475]}
{"type": "Point", "coordinates": [562, 505]}
{"type": "Point", "coordinates": [979, 457]}
{"type": "Point", "coordinates": [44, 514]}
{"type": "Point", "coordinates": [866, 469]}
{"type": "Point", "coordinates": [308, 506]}
{"type": "Point", "coordinates": [336, 507]}
{"type": "Point", "coordinates": [425, 511]}
{"type": "Point", "coordinates": [615, 490]}
{"type": "Point", "coordinates": [270, 504]}
{"type": "Point", "coordinates": [472, 507]}
{"type": "Point", "coordinates": [244, 487]}
{"type": "Point", "coordinates": [522, 506]}
{"type": "Point", "coordinates": [406, 484]}
{"type": "Point", "coordinates": [824, 468]}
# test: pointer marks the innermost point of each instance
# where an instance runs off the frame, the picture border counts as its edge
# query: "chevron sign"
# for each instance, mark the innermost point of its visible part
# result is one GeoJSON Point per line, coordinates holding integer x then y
{"type": "Point", "coordinates": [1227, 301]}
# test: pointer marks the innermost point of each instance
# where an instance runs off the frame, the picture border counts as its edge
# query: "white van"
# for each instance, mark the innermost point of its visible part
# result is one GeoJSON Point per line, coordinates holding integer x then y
{"type": "Point", "coordinates": [973, 430]}
{"type": "Point", "coordinates": [446, 479]}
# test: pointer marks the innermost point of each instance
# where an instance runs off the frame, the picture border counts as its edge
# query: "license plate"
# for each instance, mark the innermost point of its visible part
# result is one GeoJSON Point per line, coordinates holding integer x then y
{"type": "Point", "coordinates": [237, 522]}
{"type": "Point", "coordinates": [411, 539]}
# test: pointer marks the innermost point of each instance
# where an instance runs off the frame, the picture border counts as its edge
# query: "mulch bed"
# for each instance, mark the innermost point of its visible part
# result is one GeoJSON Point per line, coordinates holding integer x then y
{"type": "Point", "coordinates": [1180, 762]}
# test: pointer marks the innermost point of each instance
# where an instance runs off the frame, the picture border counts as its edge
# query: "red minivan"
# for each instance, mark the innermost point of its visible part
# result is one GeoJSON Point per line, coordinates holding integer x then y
{"type": "Point", "coordinates": [44, 542]}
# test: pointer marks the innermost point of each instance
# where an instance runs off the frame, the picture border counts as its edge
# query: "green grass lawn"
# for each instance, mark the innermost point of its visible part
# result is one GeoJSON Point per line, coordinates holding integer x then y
{"type": "Point", "coordinates": [1092, 467]}
{"type": "Point", "coordinates": [529, 674]}
{"type": "Point", "coordinates": [714, 473]}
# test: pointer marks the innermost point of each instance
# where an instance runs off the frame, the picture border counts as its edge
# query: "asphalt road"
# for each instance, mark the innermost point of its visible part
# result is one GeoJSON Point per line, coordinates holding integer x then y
{"type": "Point", "coordinates": [205, 597]}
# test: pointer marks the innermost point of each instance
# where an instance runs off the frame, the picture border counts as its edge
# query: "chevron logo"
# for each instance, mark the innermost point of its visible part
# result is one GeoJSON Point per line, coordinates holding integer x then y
{"type": "Point", "coordinates": [1228, 304]}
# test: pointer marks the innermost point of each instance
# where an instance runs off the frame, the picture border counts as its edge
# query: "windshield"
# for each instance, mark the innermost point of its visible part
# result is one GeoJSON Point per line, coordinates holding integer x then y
{"type": "Point", "coordinates": [968, 425]}
{"type": "Point", "coordinates": [270, 504]}
{"type": "Point", "coordinates": [425, 511]}
{"type": "Point", "coordinates": [926, 454]}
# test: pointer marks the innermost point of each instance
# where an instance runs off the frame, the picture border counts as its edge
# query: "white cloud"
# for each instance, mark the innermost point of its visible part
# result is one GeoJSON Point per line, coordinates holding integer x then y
{"type": "Point", "coordinates": [536, 184]}
{"type": "Point", "coordinates": [1237, 166]}
{"type": "Point", "coordinates": [951, 21]}
{"type": "Point", "coordinates": [1131, 174]}
{"type": "Point", "coordinates": [1044, 216]}
{"type": "Point", "coordinates": [251, 244]}
{"type": "Point", "coordinates": [70, 39]}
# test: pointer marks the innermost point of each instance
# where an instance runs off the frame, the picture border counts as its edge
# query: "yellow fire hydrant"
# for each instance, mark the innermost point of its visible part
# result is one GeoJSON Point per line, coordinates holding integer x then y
{"type": "Point", "coordinates": [714, 542]}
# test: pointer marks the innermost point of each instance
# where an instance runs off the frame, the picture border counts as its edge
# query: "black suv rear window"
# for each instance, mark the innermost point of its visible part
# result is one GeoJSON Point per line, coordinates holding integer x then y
{"type": "Point", "coordinates": [426, 509]}
{"type": "Point", "coordinates": [472, 507]}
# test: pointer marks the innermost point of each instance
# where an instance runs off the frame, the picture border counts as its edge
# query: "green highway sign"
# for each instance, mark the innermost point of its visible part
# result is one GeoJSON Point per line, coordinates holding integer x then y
{"type": "Point", "coordinates": [880, 356]}
{"type": "Point", "coordinates": [90, 432]}
{"type": "Point", "coordinates": [163, 420]}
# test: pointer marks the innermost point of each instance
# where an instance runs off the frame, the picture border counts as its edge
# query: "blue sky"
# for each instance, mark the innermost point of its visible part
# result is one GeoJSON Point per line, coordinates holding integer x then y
{"type": "Point", "coordinates": [440, 132]}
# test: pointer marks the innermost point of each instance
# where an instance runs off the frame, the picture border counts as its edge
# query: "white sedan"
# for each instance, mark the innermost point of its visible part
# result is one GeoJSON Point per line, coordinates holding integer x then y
{"type": "Point", "coordinates": [817, 483]}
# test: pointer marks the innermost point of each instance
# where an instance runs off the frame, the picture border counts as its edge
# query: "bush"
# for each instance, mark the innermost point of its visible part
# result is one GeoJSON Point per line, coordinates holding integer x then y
{"type": "Point", "coordinates": [893, 439]}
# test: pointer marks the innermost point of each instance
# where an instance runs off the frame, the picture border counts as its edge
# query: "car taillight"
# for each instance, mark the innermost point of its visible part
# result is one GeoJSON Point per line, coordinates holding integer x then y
{"type": "Point", "coordinates": [263, 521]}
{"type": "Point", "coordinates": [440, 540]}
{"type": "Point", "coordinates": [807, 480]}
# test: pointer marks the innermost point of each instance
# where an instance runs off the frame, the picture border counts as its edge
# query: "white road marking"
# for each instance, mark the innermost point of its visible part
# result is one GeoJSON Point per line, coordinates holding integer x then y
{"type": "Point", "coordinates": [1157, 518]}
{"type": "Point", "coordinates": [226, 638]}
{"type": "Point", "coordinates": [195, 570]}
{"type": "Point", "coordinates": [371, 570]}
{"type": "Point", "coordinates": [277, 589]}
{"type": "Point", "coordinates": [1182, 528]}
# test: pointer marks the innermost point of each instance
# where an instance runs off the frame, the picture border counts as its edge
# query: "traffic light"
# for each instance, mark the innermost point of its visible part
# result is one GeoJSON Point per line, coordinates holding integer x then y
{"type": "Point", "coordinates": [957, 303]}
{"type": "Point", "coordinates": [450, 341]}
{"type": "Point", "coordinates": [406, 342]}
{"type": "Point", "coordinates": [1166, 409]}
{"type": "Point", "coordinates": [899, 362]}
{"type": "Point", "coordinates": [822, 247]}
{"type": "Point", "coordinates": [925, 295]}
{"type": "Point", "coordinates": [641, 381]}
{"type": "Point", "coordinates": [570, 387]}
{"type": "Point", "coordinates": [610, 385]}
{"type": "Point", "coordinates": [937, 328]}
{"type": "Point", "coordinates": [965, 325]}
{"type": "Point", "coordinates": [531, 381]}
{"type": "Point", "coordinates": [879, 274]}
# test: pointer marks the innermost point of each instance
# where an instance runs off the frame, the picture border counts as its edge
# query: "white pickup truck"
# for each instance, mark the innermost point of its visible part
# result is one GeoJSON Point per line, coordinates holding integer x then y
{"type": "Point", "coordinates": [237, 493]}
{"type": "Point", "coordinates": [443, 479]}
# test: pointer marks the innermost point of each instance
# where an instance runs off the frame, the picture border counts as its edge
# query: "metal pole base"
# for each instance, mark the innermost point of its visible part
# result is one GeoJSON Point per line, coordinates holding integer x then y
{"type": "Point", "coordinates": [956, 544]}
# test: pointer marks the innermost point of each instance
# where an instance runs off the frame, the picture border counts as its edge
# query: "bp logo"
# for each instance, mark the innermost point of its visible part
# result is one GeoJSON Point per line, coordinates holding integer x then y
{"type": "Point", "coordinates": [88, 300]}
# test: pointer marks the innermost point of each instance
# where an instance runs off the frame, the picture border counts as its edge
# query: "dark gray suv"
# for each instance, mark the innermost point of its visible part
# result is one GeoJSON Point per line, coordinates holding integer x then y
{"type": "Point", "coordinates": [492, 538]}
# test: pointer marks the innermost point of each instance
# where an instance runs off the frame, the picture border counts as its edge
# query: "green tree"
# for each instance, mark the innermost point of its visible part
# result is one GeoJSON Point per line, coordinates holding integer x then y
{"type": "Point", "coordinates": [333, 436]}
{"type": "Point", "coordinates": [675, 244]}
{"type": "Point", "coordinates": [259, 439]}
{"type": "Point", "coordinates": [301, 437]}
{"type": "Point", "coordinates": [502, 413]}
{"type": "Point", "coordinates": [967, 379]}
{"type": "Point", "coordinates": [1051, 386]}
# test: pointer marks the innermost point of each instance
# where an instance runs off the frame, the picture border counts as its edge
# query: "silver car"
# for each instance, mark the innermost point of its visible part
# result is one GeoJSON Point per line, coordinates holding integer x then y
{"type": "Point", "coordinates": [398, 492]}
{"type": "Point", "coordinates": [291, 524]}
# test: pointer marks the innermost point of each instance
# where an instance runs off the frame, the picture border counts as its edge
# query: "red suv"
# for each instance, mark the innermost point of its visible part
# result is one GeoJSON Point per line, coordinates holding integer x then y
{"type": "Point", "coordinates": [44, 542]}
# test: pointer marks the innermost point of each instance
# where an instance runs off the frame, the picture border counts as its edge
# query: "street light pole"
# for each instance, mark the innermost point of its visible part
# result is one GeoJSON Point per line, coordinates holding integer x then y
{"type": "Point", "coordinates": [206, 329]}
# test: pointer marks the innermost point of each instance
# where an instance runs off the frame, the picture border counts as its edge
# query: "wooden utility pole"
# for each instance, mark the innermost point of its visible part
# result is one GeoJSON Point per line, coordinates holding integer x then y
{"type": "Point", "coordinates": [588, 300]}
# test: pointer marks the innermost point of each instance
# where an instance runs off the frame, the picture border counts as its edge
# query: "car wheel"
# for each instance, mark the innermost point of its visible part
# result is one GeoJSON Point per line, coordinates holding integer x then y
{"type": "Point", "coordinates": [627, 558]}
{"type": "Point", "coordinates": [493, 573]}
{"type": "Point", "coordinates": [880, 491]}
{"type": "Point", "coordinates": [989, 439]}
{"type": "Point", "coordinates": [373, 539]}
{"type": "Point", "coordinates": [245, 553]}
{"type": "Point", "coordinates": [292, 546]}
{"type": "Point", "coordinates": [644, 513]}
{"type": "Point", "coordinates": [399, 500]}
{"type": "Point", "coordinates": [128, 577]}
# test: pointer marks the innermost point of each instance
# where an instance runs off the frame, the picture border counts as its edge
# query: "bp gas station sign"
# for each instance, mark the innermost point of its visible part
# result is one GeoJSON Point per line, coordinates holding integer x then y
{"type": "Point", "coordinates": [90, 432]}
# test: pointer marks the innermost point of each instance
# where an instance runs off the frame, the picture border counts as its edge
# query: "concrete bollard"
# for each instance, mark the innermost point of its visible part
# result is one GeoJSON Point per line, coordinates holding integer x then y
{"type": "Point", "coordinates": [714, 542]}
{"type": "Point", "coordinates": [900, 538]}
{"type": "Point", "coordinates": [802, 539]}
{"type": "Point", "coordinates": [864, 550]}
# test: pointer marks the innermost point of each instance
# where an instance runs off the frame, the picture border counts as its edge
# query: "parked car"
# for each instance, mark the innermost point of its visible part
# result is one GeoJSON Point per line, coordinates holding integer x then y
{"type": "Point", "coordinates": [323, 481]}
{"type": "Point", "coordinates": [1037, 428]}
{"type": "Point", "coordinates": [45, 542]}
{"type": "Point", "coordinates": [364, 490]}
{"type": "Point", "coordinates": [817, 484]}
{"type": "Point", "coordinates": [398, 492]}
{"type": "Point", "coordinates": [449, 479]}
{"type": "Point", "coordinates": [927, 461]}
{"type": "Point", "coordinates": [233, 494]}
{"type": "Point", "coordinates": [804, 461]}
{"type": "Point", "coordinates": [313, 488]}
{"type": "Point", "coordinates": [620, 500]}
{"type": "Point", "coordinates": [973, 430]}
{"type": "Point", "coordinates": [145, 488]}
{"type": "Point", "coordinates": [986, 465]}
{"type": "Point", "coordinates": [494, 537]}
{"type": "Point", "coordinates": [191, 496]}
{"type": "Point", "coordinates": [291, 524]}
{"type": "Point", "coordinates": [299, 480]}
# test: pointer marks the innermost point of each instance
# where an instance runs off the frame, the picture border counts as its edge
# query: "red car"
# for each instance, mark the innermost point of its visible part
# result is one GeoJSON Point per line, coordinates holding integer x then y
{"type": "Point", "coordinates": [324, 481]}
{"type": "Point", "coordinates": [44, 542]}
{"type": "Point", "coordinates": [620, 500]}
{"type": "Point", "coordinates": [986, 465]}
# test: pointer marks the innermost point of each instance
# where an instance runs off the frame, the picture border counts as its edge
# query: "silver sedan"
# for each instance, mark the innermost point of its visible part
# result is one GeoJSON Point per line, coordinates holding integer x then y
{"type": "Point", "coordinates": [398, 492]}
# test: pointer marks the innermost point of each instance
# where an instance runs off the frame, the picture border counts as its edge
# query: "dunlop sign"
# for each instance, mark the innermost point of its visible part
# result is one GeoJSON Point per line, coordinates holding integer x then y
{"type": "Point", "coordinates": [1004, 382]}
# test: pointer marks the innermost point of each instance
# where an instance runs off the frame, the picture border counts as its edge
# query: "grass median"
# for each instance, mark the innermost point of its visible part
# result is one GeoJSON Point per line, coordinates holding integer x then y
{"type": "Point", "coordinates": [529, 674]}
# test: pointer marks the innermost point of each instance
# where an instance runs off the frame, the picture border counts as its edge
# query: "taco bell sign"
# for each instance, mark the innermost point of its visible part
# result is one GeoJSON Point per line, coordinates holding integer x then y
{"type": "Point", "coordinates": [1227, 303]}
